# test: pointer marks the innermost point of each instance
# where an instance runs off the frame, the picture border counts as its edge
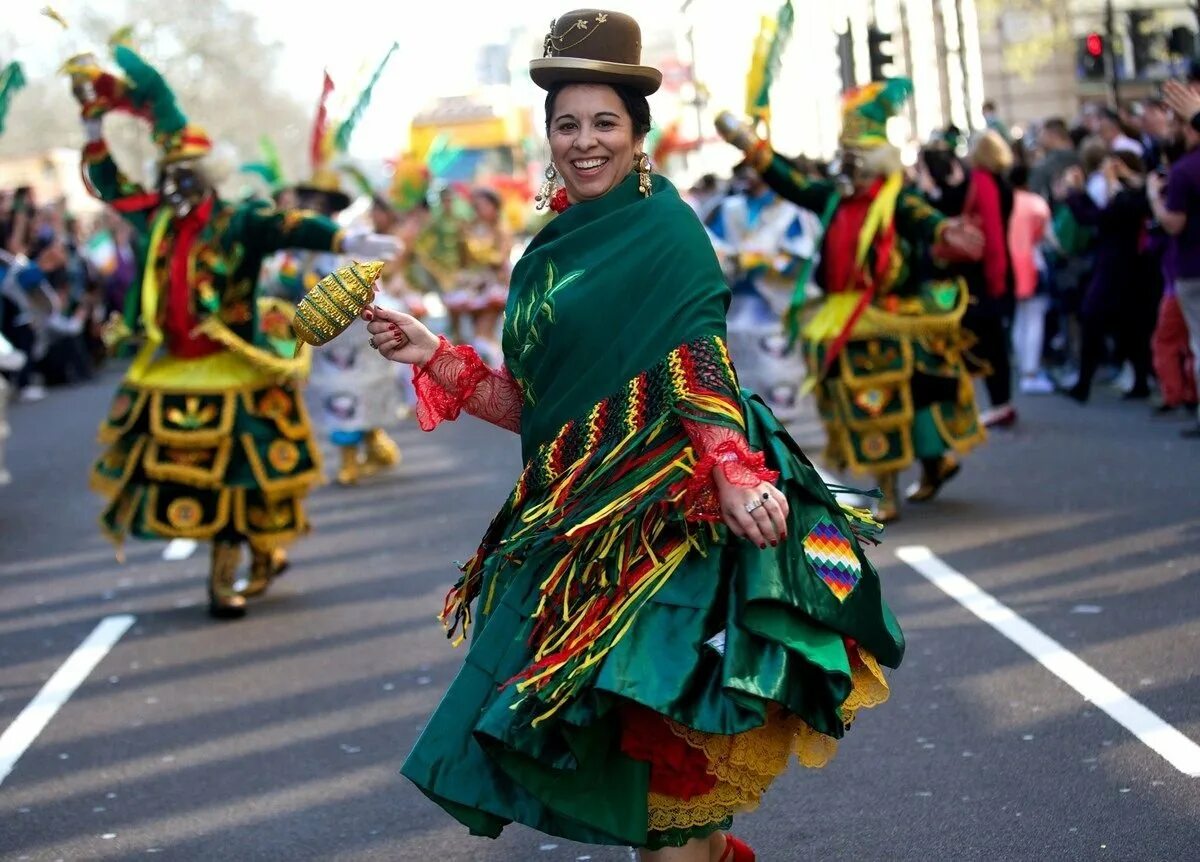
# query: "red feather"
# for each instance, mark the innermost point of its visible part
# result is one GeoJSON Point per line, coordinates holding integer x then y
{"type": "Point", "coordinates": [321, 124]}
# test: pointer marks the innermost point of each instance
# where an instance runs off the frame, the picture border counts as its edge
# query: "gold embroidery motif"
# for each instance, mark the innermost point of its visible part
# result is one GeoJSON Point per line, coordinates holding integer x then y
{"type": "Point", "coordinates": [193, 417]}
{"type": "Point", "coordinates": [274, 488]}
{"type": "Point", "coordinates": [872, 401]}
{"type": "Point", "coordinates": [203, 422]}
{"type": "Point", "coordinates": [199, 530]}
{"type": "Point", "coordinates": [194, 467]}
{"type": "Point", "coordinates": [874, 445]}
{"type": "Point", "coordinates": [274, 404]}
{"type": "Point", "coordinates": [283, 456]}
{"type": "Point", "coordinates": [185, 513]}
{"type": "Point", "coordinates": [189, 457]}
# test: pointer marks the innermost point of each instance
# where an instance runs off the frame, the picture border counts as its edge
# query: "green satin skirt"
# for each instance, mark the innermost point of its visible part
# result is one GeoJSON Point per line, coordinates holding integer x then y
{"type": "Point", "coordinates": [735, 636]}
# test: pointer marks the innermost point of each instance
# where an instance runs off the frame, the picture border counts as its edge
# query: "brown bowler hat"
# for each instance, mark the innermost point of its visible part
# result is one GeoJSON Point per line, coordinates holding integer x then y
{"type": "Point", "coordinates": [596, 47]}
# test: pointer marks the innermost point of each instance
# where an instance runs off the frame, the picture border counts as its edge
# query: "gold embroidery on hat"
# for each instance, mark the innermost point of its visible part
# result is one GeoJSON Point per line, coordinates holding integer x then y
{"type": "Point", "coordinates": [555, 44]}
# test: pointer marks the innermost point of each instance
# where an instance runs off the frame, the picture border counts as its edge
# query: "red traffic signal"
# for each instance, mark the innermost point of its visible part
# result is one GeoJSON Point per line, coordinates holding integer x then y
{"type": "Point", "coordinates": [1094, 44]}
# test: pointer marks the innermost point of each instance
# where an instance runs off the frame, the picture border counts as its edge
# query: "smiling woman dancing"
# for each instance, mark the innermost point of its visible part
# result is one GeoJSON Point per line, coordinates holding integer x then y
{"type": "Point", "coordinates": [671, 603]}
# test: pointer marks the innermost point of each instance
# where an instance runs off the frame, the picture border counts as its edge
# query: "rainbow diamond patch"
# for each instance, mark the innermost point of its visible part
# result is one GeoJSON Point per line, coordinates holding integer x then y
{"type": "Point", "coordinates": [832, 557]}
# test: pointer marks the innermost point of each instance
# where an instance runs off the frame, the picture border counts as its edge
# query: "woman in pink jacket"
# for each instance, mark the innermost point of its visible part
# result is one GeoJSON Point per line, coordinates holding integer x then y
{"type": "Point", "coordinates": [1027, 230]}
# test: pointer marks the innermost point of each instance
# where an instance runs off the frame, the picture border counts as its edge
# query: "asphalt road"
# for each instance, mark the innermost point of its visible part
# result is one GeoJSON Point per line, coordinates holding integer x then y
{"type": "Point", "coordinates": [279, 737]}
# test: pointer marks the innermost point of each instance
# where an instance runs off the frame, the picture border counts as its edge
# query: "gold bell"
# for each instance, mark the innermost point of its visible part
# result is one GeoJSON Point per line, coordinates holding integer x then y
{"type": "Point", "coordinates": [335, 302]}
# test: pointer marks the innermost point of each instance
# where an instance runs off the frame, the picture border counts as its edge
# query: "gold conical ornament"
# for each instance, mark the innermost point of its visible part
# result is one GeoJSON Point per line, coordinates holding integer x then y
{"type": "Point", "coordinates": [335, 302]}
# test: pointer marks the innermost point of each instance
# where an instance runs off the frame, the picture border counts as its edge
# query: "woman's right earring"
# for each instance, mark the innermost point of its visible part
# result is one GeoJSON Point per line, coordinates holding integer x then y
{"type": "Point", "coordinates": [548, 187]}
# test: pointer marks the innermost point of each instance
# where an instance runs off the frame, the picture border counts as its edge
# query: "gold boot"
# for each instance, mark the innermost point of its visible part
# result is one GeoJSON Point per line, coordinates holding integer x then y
{"type": "Point", "coordinates": [350, 470]}
{"type": "Point", "coordinates": [382, 451]}
{"type": "Point", "coordinates": [934, 474]}
{"type": "Point", "coordinates": [224, 601]}
{"type": "Point", "coordinates": [265, 566]}
{"type": "Point", "coordinates": [889, 506]}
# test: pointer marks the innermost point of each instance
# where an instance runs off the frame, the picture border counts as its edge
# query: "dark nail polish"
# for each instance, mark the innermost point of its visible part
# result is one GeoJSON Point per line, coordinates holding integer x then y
{"type": "Point", "coordinates": [763, 547]}
{"type": "Point", "coordinates": [774, 544]}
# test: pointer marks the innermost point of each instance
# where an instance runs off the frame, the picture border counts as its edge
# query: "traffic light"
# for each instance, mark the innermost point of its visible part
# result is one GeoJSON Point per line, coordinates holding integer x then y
{"type": "Point", "coordinates": [1181, 42]}
{"type": "Point", "coordinates": [1091, 57]}
{"type": "Point", "coordinates": [878, 48]}
{"type": "Point", "coordinates": [1140, 39]}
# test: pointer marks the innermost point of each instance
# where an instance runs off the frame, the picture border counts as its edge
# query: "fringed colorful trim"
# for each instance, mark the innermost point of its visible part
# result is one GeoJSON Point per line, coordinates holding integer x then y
{"type": "Point", "coordinates": [600, 509]}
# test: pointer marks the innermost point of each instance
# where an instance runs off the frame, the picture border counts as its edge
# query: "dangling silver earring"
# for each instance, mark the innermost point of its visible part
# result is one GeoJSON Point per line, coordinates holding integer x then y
{"type": "Point", "coordinates": [548, 187]}
{"type": "Point", "coordinates": [641, 164]}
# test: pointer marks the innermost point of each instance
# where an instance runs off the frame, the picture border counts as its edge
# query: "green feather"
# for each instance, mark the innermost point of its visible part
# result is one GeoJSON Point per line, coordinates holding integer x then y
{"type": "Point", "coordinates": [270, 156]}
{"type": "Point", "coordinates": [149, 91]}
{"type": "Point", "coordinates": [346, 129]}
{"type": "Point", "coordinates": [11, 80]}
{"type": "Point", "coordinates": [260, 169]}
{"type": "Point", "coordinates": [887, 102]}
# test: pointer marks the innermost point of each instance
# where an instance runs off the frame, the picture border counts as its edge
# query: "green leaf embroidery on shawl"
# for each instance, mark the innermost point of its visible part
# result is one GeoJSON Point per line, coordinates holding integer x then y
{"type": "Point", "coordinates": [526, 323]}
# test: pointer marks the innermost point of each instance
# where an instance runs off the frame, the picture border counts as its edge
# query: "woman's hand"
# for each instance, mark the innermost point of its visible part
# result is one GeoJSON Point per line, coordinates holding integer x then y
{"type": "Point", "coordinates": [764, 524]}
{"type": "Point", "coordinates": [399, 337]}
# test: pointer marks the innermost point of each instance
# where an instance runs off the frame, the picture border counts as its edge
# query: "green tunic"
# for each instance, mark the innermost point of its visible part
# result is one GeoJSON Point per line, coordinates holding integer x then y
{"type": "Point", "coordinates": [594, 586]}
{"type": "Point", "coordinates": [207, 436]}
{"type": "Point", "coordinates": [900, 389]}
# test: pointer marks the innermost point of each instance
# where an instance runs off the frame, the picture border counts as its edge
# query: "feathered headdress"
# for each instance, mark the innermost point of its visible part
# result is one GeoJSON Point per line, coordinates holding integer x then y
{"type": "Point", "coordinates": [866, 110]}
{"type": "Point", "coordinates": [410, 182]}
{"type": "Point", "coordinates": [773, 37]}
{"type": "Point", "coordinates": [329, 141]}
{"type": "Point", "coordinates": [144, 93]}
{"type": "Point", "coordinates": [268, 167]}
{"type": "Point", "coordinates": [11, 80]}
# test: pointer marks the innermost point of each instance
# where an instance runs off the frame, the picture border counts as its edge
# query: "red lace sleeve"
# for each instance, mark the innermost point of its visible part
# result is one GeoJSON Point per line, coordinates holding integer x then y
{"type": "Point", "coordinates": [712, 417]}
{"type": "Point", "coordinates": [456, 379]}
{"type": "Point", "coordinates": [718, 447]}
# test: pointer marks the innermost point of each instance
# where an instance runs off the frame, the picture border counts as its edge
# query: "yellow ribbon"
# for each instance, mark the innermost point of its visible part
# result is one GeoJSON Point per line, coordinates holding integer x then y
{"type": "Point", "coordinates": [881, 212]}
{"type": "Point", "coordinates": [154, 335]}
{"type": "Point", "coordinates": [150, 277]}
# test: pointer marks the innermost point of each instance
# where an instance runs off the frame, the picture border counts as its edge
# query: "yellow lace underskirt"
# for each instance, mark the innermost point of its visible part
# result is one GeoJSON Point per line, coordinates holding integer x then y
{"type": "Point", "coordinates": [745, 764]}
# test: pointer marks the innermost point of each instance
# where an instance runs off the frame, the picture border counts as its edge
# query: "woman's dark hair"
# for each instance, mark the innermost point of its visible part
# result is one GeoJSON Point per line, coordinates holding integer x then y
{"type": "Point", "coordinates": [488, 195]}
{"type": "Point", "coordinates": [1019, 177]}
{"type": "Point", "coordinates": [939, 160]}
{"type": "Point", "coordinates": [635, 104]}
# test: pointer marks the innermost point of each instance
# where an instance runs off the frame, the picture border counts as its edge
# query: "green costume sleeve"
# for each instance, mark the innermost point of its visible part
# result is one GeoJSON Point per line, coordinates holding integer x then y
{"type": "Point", "coordinates": [916, 219]}
{"type": "Point", "coordinates": [265, 229]}
{"type": "Point", "coordinates": [111, 185]}
{"type": "Point", "coordinates": [788, 182]}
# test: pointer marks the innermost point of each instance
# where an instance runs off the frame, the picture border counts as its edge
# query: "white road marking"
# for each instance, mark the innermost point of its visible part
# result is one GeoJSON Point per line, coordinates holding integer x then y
{"type": "Point", "coordinates": [180, 549]}
{"type": "Point", "coordinates": [1177, 749]}
{"type": "Point", "coordinates": [58, 689]}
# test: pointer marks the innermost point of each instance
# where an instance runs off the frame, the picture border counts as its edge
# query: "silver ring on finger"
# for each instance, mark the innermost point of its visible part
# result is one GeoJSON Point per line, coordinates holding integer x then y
{"type": "Point", "coordinates": [752, 506]}
{"type": "Point", "coordinates": [371, 342]}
